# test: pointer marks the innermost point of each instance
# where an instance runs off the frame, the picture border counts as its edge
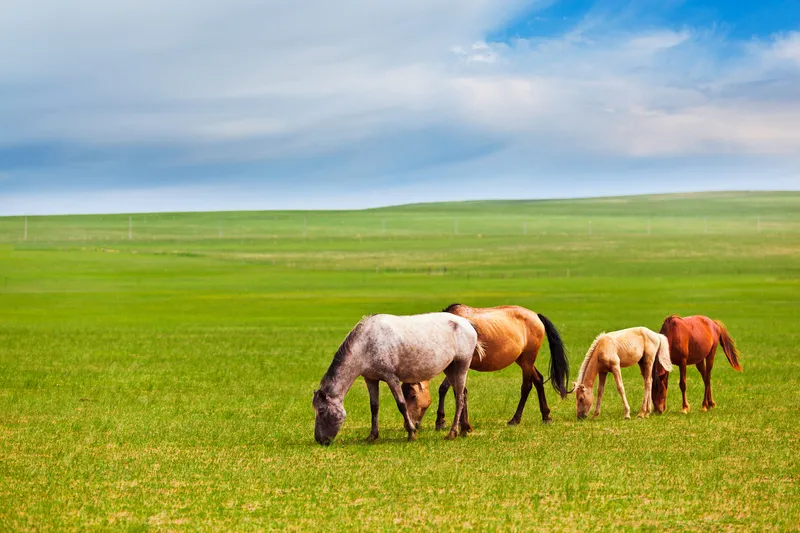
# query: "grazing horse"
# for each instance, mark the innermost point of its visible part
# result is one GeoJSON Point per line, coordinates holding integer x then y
{"type": "Point", "coordinates": [511, 334]}
{"type": "Point", "coordinates": [395, 349]}
{"type": "Point", "coordinates": [619, 349]}
{"type": "Point", "coordinates": [693, 340]}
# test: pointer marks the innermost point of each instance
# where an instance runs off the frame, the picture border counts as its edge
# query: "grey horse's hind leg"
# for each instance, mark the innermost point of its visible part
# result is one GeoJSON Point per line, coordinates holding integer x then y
{"type": "Point", "coordinates": [374, 399]}
{"type": "Point", "coordinates": [441, 423]}
{"type": "Point", "coordinates": [457, 375]}
{"type": "Point", "coordinates": [396, 387]}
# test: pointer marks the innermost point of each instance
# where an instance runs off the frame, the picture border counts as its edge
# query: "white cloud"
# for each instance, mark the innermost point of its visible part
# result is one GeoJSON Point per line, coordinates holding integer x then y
{"type": "Point", "coordinates": [252, 80]}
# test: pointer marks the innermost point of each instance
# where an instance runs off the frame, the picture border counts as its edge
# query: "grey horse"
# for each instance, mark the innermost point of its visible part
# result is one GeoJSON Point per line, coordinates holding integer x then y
{"type": "Point", "coordinates": [395, 349]}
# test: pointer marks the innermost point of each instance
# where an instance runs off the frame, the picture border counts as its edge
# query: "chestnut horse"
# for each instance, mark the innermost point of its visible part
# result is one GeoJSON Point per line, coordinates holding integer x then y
{"type": "Point", "coordinates": [509, 334]}
{"type": "Point", "coordinates": [693, 340]}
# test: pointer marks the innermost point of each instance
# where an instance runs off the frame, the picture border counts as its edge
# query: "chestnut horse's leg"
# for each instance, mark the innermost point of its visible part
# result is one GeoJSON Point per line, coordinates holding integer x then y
{"type": "Point", "coordinates": [396, 387]}
{"type": "Point", "coordinates": [621, 389]}
{"type": "Point", "coordinates": [707, 379]}
{"type": "Point", "coordinates": [440, 421]}
{"type": "Point", "coordinates": [685, 408]}
{"type": "Point", "coordinates": [524, 391]}
{"type": "Point", "coordinates": [600, 388]}
{"type": "Point", "coordinates": [374, 397]}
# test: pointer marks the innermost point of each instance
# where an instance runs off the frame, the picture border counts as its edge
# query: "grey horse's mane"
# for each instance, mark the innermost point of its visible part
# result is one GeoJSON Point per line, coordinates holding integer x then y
{"type": "Point", "coordinates": [343, 351]}
{"type": "Point", "coordinates": [585, 363]}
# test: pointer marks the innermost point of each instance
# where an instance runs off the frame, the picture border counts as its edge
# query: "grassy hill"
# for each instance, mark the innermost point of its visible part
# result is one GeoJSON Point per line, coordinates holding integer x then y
{"type": "Point", "coordinates": [164, 381]}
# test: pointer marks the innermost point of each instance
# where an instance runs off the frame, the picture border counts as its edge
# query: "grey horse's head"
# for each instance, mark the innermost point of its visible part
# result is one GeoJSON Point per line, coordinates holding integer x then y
{"type": "Point", "coordinates": [330, 415]}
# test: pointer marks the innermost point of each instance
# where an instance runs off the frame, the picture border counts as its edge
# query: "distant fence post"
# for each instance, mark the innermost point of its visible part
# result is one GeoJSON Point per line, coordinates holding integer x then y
{"type": "Point", "coordinates": [383, 226]}
{"type": "Point", "coordinates": [219, 229]}
{"type": "Point", "coordinates": [25, 230]}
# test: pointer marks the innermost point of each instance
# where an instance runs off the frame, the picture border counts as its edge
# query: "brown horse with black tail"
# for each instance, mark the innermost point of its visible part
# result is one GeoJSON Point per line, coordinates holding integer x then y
{"type": "Point", "coordinates": [693, 340]}
{"type": "Point", "coordinates": [510, 334]}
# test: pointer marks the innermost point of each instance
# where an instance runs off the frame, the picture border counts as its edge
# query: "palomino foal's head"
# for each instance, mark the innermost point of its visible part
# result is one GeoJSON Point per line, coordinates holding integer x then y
{"type": "Point", "coordinates": [583, 399]}
{"type": "Point", "coordinates": [330, 415]}
{"type": "Point", "coordinates": [418, 399]}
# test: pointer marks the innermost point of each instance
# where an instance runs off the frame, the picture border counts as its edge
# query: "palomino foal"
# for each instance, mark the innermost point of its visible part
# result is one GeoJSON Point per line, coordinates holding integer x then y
{"type": "Point", "coordinates": [619, 349]}
{"type": "Point", "coordinates": [397, 350]}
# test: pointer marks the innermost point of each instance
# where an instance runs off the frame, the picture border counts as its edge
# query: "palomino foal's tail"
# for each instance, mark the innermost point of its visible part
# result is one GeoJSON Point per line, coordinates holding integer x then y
{"type": "Point", "coordinates": [662, 357]}
{"type": "Point", "coordinates": [559, 364]}
{"type": "Point", "coordinates": [728, 346]}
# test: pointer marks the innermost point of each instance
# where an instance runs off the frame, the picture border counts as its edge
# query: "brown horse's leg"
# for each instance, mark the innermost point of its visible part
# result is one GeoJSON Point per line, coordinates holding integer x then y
{"type": "Point", "coordinates": [465, 425]}
{"type": "Point", "coordinates": [396, 387]}
{"type": "Point", "coordinates": [374, 397]}
{"type": "Point", "coordinates": [525, 390]}
{"type": "Point", "coordinates": [440, 416]}
{"type": "Point", "coordinates": [538, 382]}
{"type": "Point", "coordinates": [685, 408]}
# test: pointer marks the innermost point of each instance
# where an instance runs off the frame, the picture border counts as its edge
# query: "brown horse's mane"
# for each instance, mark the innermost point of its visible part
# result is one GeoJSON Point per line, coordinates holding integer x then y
{"type": "Point", "coordinates": [450, 308]}
{"type": "Point", "coordinates": [343, 351]}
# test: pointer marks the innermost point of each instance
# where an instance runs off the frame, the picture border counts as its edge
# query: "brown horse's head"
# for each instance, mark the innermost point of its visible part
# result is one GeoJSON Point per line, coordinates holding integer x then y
{"type": "Point", "coordinates": [329, 416]}
{"type": "Point", "coordinates": [659, 388]}
{"type": "Point", "coordinates": [418, 399]}
{"type": "Point", "coordinates": [583, 399]}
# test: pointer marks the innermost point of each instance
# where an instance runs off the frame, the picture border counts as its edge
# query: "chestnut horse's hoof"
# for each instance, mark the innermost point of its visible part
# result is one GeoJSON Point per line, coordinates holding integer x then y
{"type": "Point", "coordinates": [513, 422]}
{"type": "Point", "coordinates": [685, 410]}
{"type": "Point", "coordinates": [450, 436]}
{"type": "Point", "coordinates": [412, 436]}
{"type": "Point", "coordinates": [441, 425]}
{"type": "Point", "coordinates": [371, 438]}
{"type": "Point", "coordinates": [466, 429]}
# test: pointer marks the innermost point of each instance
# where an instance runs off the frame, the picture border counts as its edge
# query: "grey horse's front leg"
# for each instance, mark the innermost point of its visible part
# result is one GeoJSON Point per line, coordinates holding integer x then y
{"type": "Point", "coordinates": [374, 402]}
{"type": "Point", "coordinates": [458, 379]}
{"type": "Point", "coordinates": [396, 387]}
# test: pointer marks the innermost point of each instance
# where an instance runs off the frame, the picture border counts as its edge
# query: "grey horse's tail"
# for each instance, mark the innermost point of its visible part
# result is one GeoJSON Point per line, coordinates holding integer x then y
{"type": "Point", "coordinates": [559, 364]}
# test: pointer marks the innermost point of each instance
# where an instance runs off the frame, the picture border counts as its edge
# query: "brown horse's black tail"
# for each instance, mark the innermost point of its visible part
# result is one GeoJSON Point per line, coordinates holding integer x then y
{"type": "Point", "coordinates": [728, 346]}
{"type": "Point", "coordinates": [559, 364]}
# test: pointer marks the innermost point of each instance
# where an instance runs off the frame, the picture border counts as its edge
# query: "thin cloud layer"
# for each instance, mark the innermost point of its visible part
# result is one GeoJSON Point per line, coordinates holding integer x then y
{"type": "Point", "coordinates": [97, 97]}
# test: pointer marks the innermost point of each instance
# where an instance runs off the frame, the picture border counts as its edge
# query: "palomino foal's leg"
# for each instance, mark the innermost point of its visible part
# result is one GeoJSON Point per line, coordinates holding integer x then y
{"type": "Point", "coordinates": [601, 386]}
{"type": "Point", "coordinates": [621, 389]}
{"type": "Point", "coordinates": [685, 408]}
{"type": "Point", "coordinates": [396, 387]}
{"type": "Point", "coordinates": [647, 376]}
{"type": "Point", "coordinates": [374, 398]}
{"type": "Point", "coordinates": [441, 423]}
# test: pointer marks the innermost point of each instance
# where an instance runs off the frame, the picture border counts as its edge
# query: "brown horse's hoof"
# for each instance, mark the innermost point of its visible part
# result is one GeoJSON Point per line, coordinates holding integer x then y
{"type": "Point", "coordinates": [412, 436]}
{"type": "Point", "coordinates": [466, 429]}
{"type": "Point", "coordinates": [441, 425]}
{"type": "Point", "coordinates": [685, 410]}
{"type": "Point", "coordinates": [547, 420]}
{"type": "Point", "coordinates": [450, 436]}
{"type": "Point", "coordinates": [513, 422]}
{"type": "Point", "coordinates": [371, 438]}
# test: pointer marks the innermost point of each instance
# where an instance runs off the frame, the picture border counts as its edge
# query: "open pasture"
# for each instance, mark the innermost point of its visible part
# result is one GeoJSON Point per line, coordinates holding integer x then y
{"type": "Point", "coordinates": [164, 381]}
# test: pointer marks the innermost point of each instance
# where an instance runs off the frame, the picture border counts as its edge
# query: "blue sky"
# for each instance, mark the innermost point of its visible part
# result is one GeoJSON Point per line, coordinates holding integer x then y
{"type": "Point", "coordinates": [204, 105]}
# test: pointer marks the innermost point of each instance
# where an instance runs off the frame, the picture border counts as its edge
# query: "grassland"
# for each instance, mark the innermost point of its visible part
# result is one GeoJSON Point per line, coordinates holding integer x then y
{"type": "Point", "coordinates": [163, 382]}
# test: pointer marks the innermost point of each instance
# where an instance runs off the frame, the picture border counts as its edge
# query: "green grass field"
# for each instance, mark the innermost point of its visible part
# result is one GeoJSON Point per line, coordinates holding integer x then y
{"type": "Point", "coordinates": [164, 382]}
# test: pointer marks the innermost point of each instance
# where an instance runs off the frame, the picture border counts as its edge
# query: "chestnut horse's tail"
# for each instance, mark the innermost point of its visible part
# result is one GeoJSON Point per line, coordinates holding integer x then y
{"type": "Point", "coordinates": [728, 346]}
{"type": "Point", "coordinates": [559, 365]}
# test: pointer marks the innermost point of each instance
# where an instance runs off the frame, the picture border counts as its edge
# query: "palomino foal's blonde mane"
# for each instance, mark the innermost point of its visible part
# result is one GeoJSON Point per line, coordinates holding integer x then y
{"type": "Point", "coordinates": [585, 363]}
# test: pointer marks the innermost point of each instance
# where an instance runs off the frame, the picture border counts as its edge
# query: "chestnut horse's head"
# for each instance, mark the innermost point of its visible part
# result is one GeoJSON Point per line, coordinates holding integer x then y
{"type": "Point", "coordinates": [418, 399]}
{"type": "Point", "coordinates": [659, 388]}
{"type": "Point", "coordinates": [329, 416]}
{"type": "Point", "coordinates": [583, 399]}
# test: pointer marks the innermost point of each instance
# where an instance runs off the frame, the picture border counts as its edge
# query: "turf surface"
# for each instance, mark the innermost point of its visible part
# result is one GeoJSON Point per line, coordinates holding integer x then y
{"type": "Point", "coordinates": [164, 382]}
